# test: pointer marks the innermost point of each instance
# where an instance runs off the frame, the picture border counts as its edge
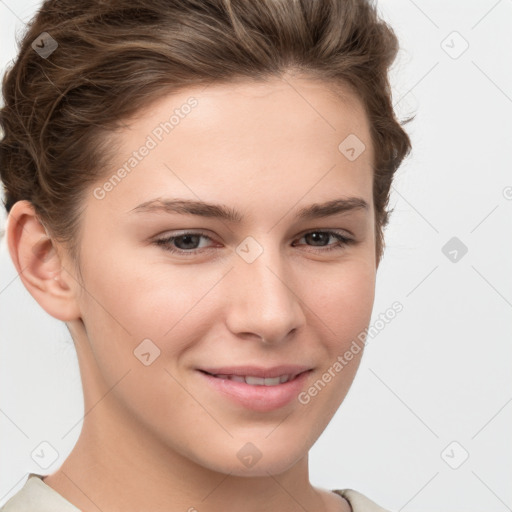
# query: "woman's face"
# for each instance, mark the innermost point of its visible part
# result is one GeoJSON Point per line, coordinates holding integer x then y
{"type": "Point", "coordinates": [263, 287]}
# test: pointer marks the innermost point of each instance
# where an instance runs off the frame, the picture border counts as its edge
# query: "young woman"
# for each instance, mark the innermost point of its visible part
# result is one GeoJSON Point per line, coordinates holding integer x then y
{"type": "Point", "coordinates": [198, 189]}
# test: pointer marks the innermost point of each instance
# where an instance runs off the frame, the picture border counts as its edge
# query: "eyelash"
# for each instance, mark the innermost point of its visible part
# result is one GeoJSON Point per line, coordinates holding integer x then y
{"type": "Point", "coordinates": [165, 243]}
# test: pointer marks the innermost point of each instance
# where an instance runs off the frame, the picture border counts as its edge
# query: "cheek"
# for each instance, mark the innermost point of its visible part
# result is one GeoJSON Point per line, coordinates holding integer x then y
{"type": "Point", "coordinates": [134, 301]}
{"type": "Point", "coordinates": [343, 299]}
{"type": "Point", "coordinates": [342, 310]}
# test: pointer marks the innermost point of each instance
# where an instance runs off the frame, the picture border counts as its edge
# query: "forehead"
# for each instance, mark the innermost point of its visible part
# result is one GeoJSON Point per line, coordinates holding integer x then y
{"type": "Point", "coordinates": [244, 110]}
{"type": "Point", "coordinates": [248, 140]}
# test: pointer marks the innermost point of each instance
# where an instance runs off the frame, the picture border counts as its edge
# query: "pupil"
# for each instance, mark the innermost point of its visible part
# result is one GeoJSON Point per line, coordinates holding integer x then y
{"type": "Point", "coordinates": [187, 237]}
{"type": "Point", "coordinates": [317, 235]}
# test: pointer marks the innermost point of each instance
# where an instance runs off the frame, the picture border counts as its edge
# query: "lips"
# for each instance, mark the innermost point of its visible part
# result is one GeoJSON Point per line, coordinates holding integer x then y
{"type": "Point", "coordinates": [257, 381]}
{"type": "Point", "coordinates": [260, 397]}
{"type": "Point", "coordinates": [257, 373]}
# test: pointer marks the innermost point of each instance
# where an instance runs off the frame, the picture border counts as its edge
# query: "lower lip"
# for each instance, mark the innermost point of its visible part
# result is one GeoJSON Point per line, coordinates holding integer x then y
{"type": "Point", "coordinates": [259, 398]}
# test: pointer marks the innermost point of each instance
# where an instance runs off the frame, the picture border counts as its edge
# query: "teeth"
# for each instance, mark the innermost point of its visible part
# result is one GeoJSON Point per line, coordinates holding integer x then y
{"type": "Point", "coordinates": [237, 378]}
{"type": "Point", "coordinates": [257, 381]}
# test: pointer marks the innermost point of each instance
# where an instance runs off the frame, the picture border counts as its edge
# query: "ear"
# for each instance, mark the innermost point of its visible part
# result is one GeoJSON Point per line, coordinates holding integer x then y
{"type": "Point", "coordinates": [39, 263]}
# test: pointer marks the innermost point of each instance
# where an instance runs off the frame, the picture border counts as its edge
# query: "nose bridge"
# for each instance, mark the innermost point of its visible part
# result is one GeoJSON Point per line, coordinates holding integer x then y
{"type": "Point", "coordinates": [264, 299]}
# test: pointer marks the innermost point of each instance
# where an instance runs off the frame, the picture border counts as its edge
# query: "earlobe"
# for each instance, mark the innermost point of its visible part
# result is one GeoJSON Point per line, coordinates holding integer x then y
{"type": "Point", "coordinates": [39, 264]}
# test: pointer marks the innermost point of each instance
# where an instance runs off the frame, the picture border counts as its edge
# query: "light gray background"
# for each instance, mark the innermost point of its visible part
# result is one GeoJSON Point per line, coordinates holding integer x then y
{"type": "Point", "coordinates": [441, 370]}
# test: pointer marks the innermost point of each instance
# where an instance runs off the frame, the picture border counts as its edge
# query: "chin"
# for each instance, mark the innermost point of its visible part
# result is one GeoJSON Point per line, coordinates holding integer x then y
{"type": "Point", "coordinates": [257, 458]}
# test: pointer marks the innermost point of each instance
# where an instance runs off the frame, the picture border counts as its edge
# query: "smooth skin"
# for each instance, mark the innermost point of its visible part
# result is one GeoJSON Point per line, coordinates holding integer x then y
{"type": "Point", "coordinates": [156, 437]}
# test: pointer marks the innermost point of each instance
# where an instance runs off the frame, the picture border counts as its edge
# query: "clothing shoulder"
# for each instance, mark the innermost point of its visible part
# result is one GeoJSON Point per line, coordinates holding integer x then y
{"type": "Point", "coordinates": [36, 496]}
{"type": "Point", "coordinates": [359, 502]}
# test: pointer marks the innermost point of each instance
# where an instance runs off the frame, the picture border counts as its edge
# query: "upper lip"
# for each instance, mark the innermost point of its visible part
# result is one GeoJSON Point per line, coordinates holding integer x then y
{"type": "Point", "coordinates": [258, 371]}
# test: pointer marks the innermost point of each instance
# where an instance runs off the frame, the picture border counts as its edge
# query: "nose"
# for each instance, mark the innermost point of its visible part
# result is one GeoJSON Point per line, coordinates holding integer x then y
{"type": "Point", "coordinates": [265, 301]}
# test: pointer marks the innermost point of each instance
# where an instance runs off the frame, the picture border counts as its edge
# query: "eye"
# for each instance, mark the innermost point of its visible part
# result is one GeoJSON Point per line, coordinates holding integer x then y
{"type": "Point", "coordinates": [322, 237]}
{"type": "Point", "coordinates": [188, 243]}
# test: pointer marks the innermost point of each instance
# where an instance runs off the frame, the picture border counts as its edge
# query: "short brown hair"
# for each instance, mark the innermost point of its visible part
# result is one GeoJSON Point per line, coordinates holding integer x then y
{"type": "Point", "coordinates": [116, 57]}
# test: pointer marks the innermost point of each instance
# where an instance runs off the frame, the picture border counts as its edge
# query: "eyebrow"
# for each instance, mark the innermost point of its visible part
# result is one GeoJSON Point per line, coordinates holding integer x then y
{"type": "Point", "coordinates": [220, 211]}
